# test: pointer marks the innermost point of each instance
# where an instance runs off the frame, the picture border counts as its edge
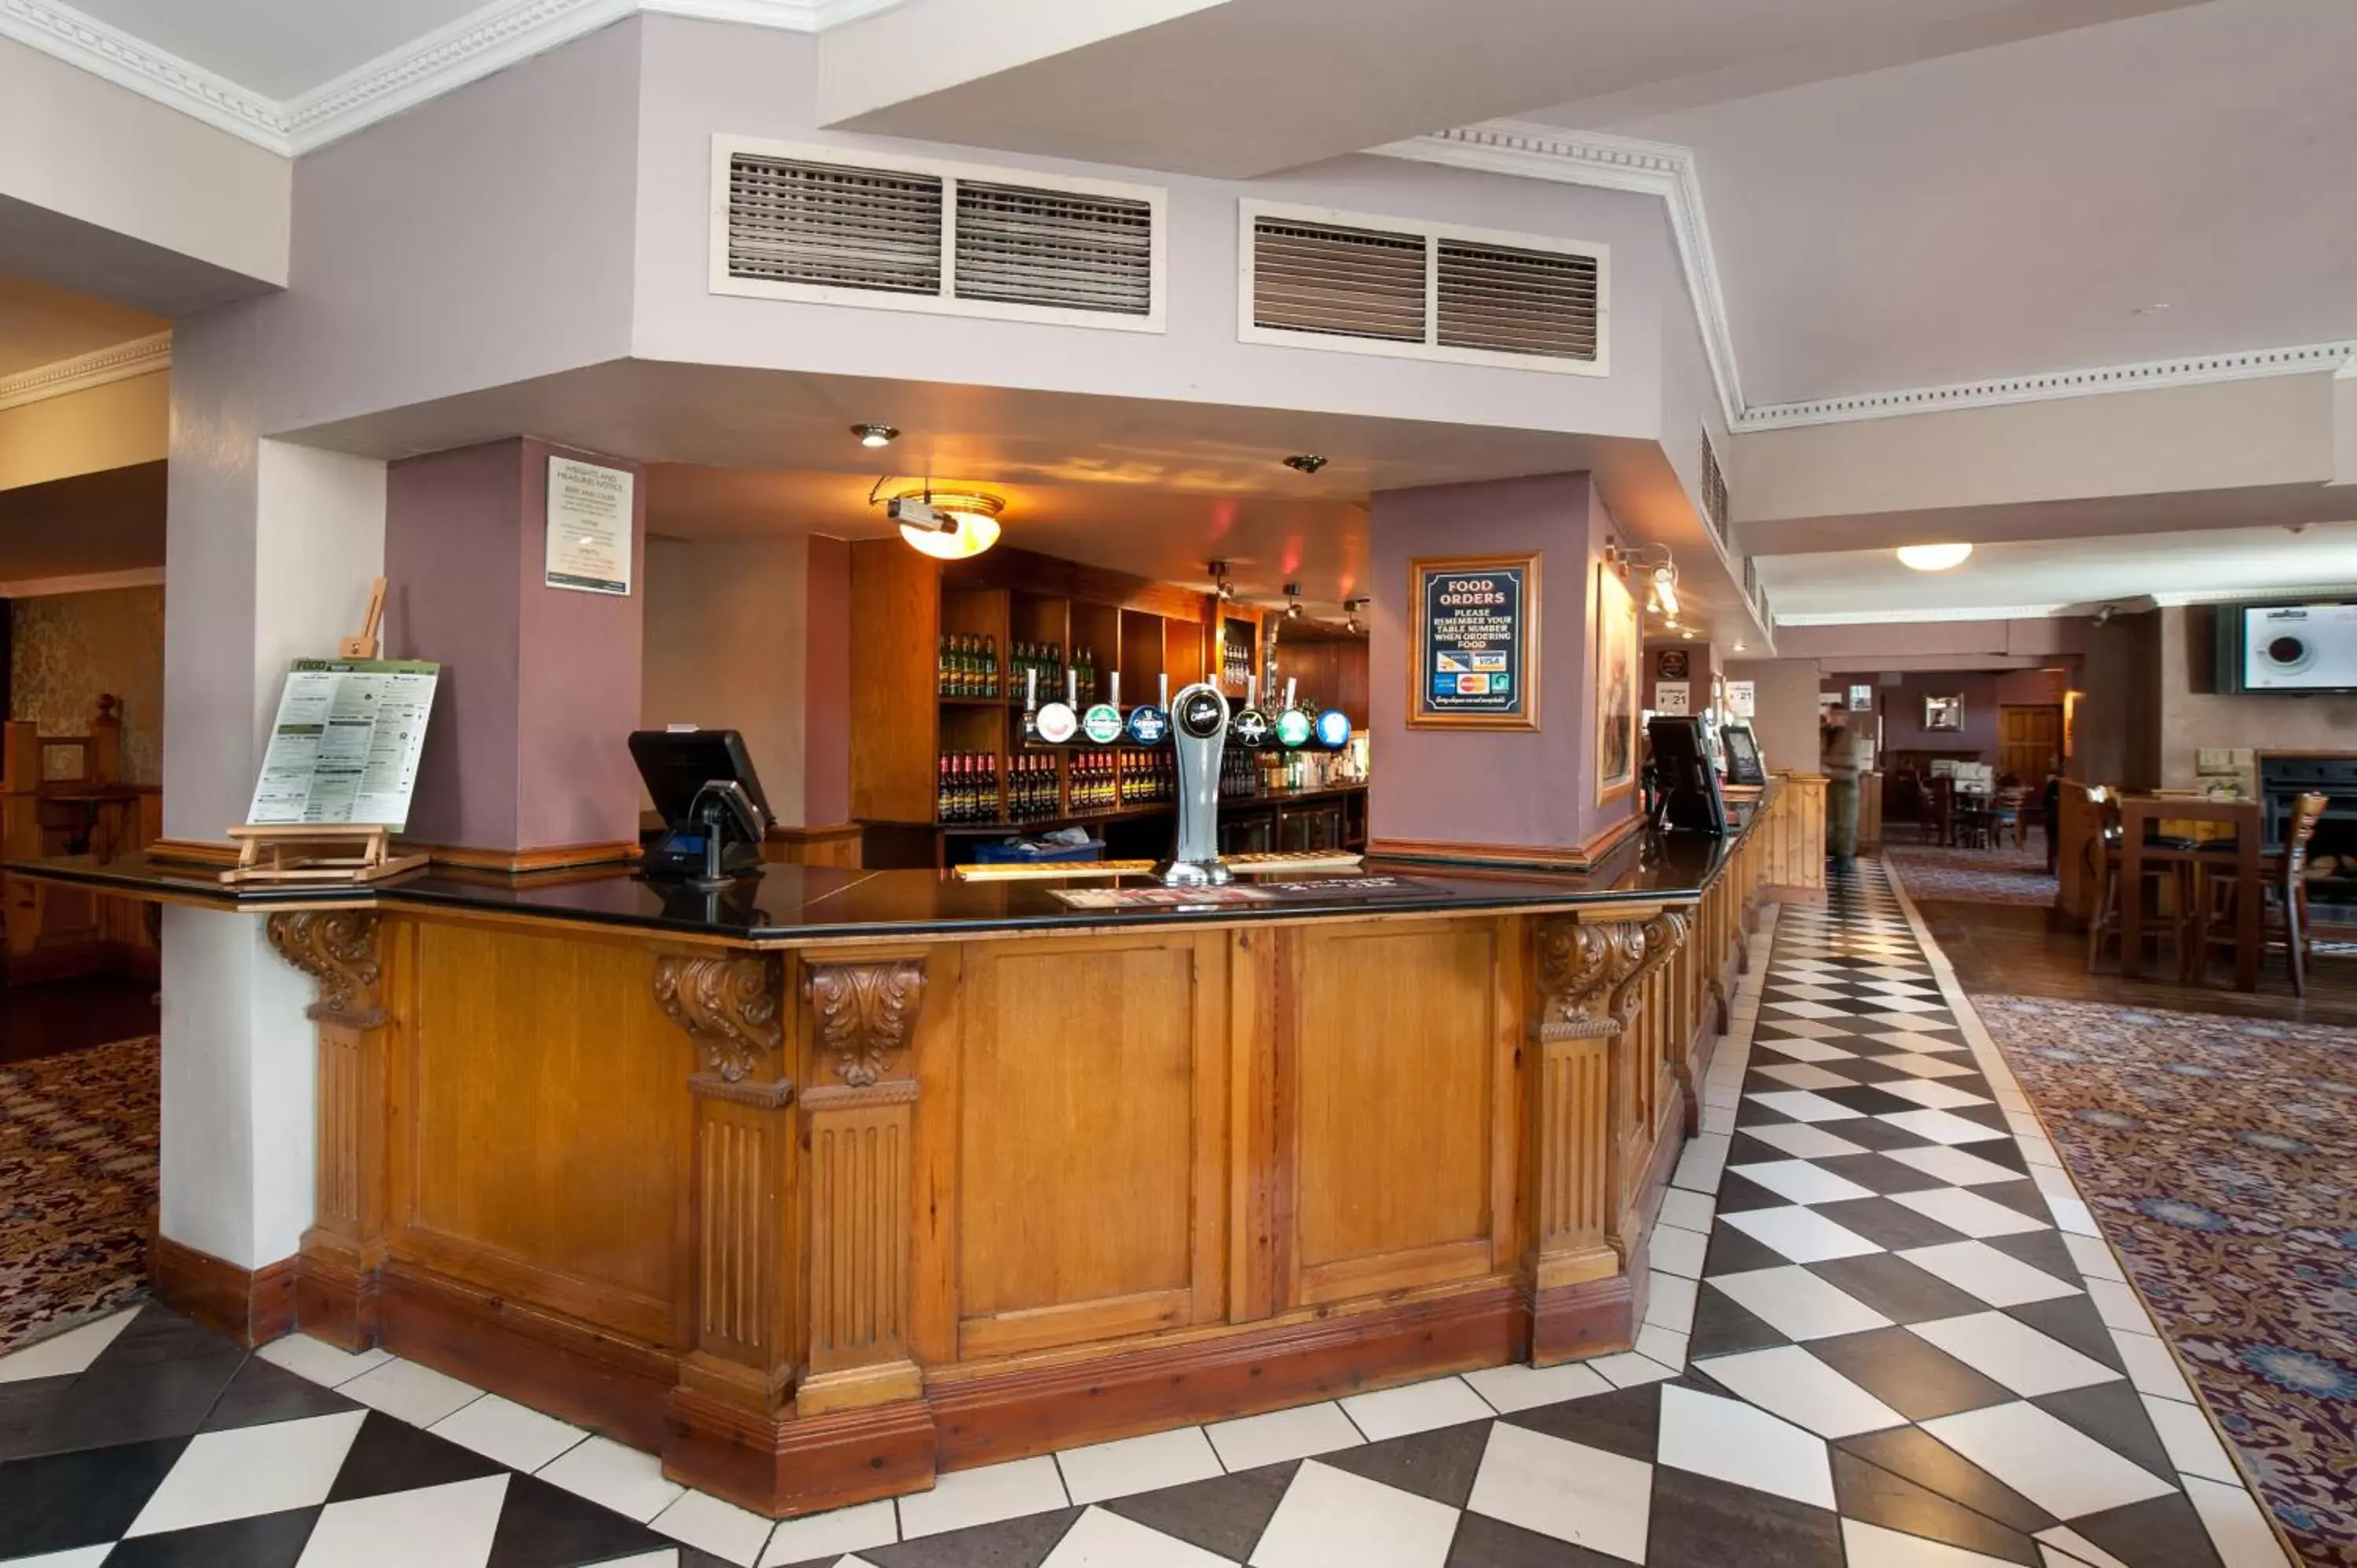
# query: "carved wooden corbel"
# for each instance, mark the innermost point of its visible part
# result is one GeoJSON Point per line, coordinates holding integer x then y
{"type": "Point", "coordinates": [1589, 971]}
{"type": "Point", "coordinates": [338, 948]}
{"type": "Point", "coordinates": [728, 1005]}
{"type": "Point", "coordinates": [864, 1012]}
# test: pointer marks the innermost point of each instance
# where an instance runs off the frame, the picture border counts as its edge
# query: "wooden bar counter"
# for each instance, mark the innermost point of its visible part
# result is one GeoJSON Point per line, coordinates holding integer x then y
{"type": "Point", "coordinates": [842, 1178]}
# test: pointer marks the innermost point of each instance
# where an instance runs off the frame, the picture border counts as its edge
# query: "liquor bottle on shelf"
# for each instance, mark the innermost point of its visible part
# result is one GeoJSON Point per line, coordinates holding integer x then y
{"type": "Point", "coordinates": [990, 668]}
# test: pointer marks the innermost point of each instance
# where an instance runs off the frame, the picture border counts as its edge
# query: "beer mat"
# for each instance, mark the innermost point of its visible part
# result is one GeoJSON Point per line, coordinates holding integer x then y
{"type": "Point", "coordinates": [1243, 895]}
{"type": "Point", "coordinates": [1248, 865]}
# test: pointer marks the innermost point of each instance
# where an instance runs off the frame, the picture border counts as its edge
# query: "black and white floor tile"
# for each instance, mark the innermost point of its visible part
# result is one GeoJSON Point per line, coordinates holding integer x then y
{"type": "Point", "coordinates": [1882, 1333]}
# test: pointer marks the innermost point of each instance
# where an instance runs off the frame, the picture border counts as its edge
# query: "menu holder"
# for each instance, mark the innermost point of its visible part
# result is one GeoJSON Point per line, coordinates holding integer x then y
{"type": "Point", "coordinates": [350, 852]}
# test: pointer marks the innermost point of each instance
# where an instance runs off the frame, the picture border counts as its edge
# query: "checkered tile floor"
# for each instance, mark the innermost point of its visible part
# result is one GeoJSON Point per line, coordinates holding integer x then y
{"type": "Point", "coordinates": [1882, 1333]}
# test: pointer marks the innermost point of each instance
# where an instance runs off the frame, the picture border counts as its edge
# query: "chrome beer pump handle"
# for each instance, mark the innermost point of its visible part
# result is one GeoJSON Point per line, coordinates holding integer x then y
{"type": "Point", "coordinates": [1199, 732]}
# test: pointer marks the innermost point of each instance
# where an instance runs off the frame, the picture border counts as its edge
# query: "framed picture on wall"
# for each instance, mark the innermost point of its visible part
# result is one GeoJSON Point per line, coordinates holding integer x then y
{"type": "Point", "coordinates": [1619, 648]}
{"type": "Point", "coordinates": [1672, 664]}
{"type": "Point", "coordinates": [1473, 642]}
{"type": "Point", "coordinates": [1861, 699]}
{"type": "Point", "coordinates": [1944, 712]}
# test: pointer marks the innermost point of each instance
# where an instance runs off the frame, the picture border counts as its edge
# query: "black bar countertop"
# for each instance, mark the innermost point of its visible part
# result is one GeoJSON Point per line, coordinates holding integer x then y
{"type": "Point", "coordinates": [783, 905]}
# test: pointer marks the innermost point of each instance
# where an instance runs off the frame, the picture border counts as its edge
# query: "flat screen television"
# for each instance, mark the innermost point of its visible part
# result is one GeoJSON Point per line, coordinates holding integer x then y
{"type": "Point", "coordinates": [2283, 648]}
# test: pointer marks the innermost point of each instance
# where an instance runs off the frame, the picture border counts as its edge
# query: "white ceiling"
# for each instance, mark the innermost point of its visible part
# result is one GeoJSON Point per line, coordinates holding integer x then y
{"type": "Point", "coordinates": [2040, 576]}
{"type": "Point", "coordinates": [2007, 211]}
{"type": "Point", "coordinates": [279, 49]}
{"type": "Point", "coordinates": [1248, 87]}
{"type": "Point", "coordinates": [40, 325]}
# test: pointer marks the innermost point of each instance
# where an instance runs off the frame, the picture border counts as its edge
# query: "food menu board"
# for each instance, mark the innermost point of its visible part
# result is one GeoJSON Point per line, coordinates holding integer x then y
{"type": "Point", "coordinates": [346, 744]}
{"type": "Point", "coordinates": [1475, 645]}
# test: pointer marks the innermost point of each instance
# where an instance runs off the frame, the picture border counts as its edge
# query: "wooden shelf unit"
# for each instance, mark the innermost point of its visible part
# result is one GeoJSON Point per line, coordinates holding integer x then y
{"type": "Point", "coordinates": [903, 603]}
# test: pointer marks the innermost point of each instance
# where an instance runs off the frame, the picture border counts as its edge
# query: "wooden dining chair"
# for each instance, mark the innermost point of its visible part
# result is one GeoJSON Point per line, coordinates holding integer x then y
{"type": "Point", "coordinates": [2103, 867]}
{"type": "Point", "coordinates": [2283, 883]}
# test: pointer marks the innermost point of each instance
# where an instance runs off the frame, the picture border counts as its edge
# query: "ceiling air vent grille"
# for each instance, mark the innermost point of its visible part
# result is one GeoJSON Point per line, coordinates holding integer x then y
{"type": "Point", "coordinates": [799, 223]}
{"type": "Point", "coordinates": [835, 227]}
{"type": "Point", "coordinates": [1342, 282]}
{"type": "Point", "coordinates": [1508, 300]}
{"type": "Point", "coordinates": [1714, 504]}
{"type": "Point", "coordinates": [1383, 285]}
{"type": "Point", "coordinates": [1029, 246]}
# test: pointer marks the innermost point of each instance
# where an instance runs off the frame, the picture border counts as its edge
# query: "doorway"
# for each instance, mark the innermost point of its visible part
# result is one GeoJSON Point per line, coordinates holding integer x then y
{"type": "Point", "coordinates": [2029, 741]}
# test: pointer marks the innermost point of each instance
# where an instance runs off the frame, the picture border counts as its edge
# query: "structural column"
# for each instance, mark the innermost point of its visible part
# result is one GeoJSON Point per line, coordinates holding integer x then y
{"type": "Point", "coordinates": [525, 767]}
{"type": "Point", "coordinates": [1588, 1106]}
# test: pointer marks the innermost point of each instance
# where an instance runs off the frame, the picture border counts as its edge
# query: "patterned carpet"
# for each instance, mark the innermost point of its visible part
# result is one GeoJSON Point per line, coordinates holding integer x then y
{"type": "Point", "coordinates": [78, 1142]}
{"type": "Point", "coordinates": [2218, 1156]}
{"type": "Point", "coordinates": [2001, 876]}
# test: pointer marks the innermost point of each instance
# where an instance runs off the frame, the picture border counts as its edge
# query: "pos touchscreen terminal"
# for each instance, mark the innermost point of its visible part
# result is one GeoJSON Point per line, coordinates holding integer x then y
{"type": "Point", "coordinates": [710, 801]}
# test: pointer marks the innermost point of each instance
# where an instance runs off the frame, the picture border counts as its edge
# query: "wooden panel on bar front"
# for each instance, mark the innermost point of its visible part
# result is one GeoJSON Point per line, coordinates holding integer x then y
{"type": "Point", "coordinates": [1795, 832]}
{"type": "Point", "coordinates": [1091, 1086]}
{"type": "Point", "coordinates": [1394, 1038]}
{"type": "Point", "coordinates": [538, 1086]}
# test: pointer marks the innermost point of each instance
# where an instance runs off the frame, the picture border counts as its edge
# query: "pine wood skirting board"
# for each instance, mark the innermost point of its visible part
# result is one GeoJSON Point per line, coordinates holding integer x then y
{"type": "Point", "coordinates": [252, 1306]}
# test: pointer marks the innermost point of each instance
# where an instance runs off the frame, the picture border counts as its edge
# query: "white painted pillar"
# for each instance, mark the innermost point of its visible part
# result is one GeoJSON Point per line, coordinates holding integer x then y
{"type": "Point", "coordinates": [270, 548]}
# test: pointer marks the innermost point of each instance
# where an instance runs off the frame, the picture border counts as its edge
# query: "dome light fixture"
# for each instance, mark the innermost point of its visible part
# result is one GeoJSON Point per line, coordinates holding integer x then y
{"type": "Point", "coordinates": [948, 525]}
{"type": "Point", "coordinates": [1934, 557]}
{"type": "Point", "coordinates": [875, 434]}
{"type": "Point", "coordinates": [1305, 462]}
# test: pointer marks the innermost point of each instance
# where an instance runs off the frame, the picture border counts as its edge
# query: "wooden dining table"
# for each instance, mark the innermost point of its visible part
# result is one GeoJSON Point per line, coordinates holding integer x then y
{"type": "Point", "coordinates": [2141, 812]}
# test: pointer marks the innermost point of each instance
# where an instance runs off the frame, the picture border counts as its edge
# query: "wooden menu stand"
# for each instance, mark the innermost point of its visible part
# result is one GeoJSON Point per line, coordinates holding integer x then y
{"type": "Point", "coordinates": [316, 851]}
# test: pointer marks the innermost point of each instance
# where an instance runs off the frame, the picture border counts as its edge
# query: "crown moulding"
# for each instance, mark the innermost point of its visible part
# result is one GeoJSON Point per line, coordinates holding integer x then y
{"type": "Point", "coordinates": [118, 362]}
{"type": "Point", "coordinates": [473, 46]}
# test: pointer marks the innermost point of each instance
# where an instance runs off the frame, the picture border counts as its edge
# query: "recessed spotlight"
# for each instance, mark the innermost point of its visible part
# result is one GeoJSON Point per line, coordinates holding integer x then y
{"type": "Point", "coordinates": [2155, 308]}
{"type": "Point", "coordinates": [1305, 462]}
{"type": "Point", "coordinates": [1738, 647]}
{"type": "Point", "coordinates": [1934, 557]}
{"type": "Point", "coordinates": [875, 434]}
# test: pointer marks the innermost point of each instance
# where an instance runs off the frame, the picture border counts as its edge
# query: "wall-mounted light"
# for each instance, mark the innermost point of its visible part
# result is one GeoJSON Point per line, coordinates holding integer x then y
{"type": "Point", "coordinates": [1293, 601]}
{"type": "Point", "coordinates": [875, 434]}
{"type": "Point", "coordinates": [1350, 608]}
{"type": "Point", "coordinates": [948, 525]}
{"type": "Point", "coordinates": [1666, 588]}
{"type": "Point", "coordinates": [1220, 583]}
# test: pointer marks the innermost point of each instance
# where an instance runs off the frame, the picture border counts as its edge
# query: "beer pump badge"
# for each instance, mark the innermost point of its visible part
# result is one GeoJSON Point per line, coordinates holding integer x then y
{"type": "Point", "coordinates": [1149, 725]}
{"type": "Point", "coordinates": [1333, 729]}
{"type": "Point", "coordinates": [1200, 715]}
{"type": "Point", "coordinates": [1101, 724]}
{"type": "Point", "coordinates": [1250, 728]}
{"type": "Point", "coordinates": [1058, 723]}
{"type": "Point", "coordinates": [1293, 729]}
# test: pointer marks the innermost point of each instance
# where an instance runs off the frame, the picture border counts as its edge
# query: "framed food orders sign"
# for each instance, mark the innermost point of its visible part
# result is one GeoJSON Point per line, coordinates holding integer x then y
{"type": "Point", "coordinates": [1473, 642]}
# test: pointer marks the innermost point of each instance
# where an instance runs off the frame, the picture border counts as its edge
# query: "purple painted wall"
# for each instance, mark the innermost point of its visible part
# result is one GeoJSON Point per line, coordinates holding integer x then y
{"type": "Point", "coordinates": [1983, 692]}
{"type": "Point", "coordinates": [1510, 790]}
{"type": "Point", "coordinates": [539, 685]}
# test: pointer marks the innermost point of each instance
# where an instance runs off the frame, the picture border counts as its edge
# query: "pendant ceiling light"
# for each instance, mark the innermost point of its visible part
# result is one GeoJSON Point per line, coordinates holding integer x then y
{"type": "Point", "coordinates": [965, 523]}
{"type": "Point", "coordinates": [1934, 557]}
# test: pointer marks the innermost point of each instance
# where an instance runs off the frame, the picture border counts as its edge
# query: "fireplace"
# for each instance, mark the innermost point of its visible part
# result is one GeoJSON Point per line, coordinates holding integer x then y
{"type": "Point", "coordinates": [2332, 858]}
